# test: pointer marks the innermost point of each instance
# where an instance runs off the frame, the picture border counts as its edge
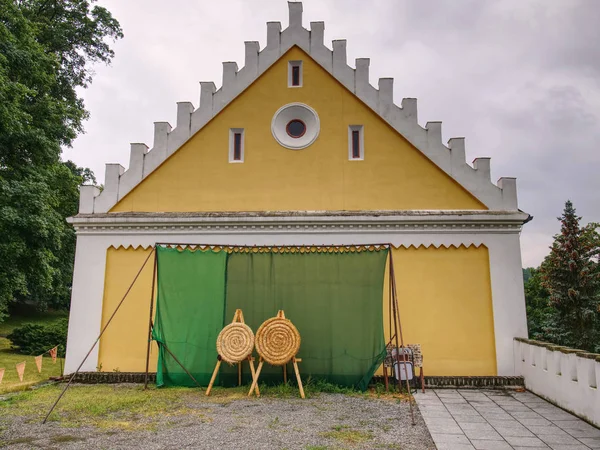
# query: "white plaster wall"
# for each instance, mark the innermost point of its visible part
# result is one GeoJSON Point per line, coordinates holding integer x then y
{"type": "Point", "coordinates": [506, 276]}
{"type": "Point", "coordinates": [86, 303]}
{"type": "Point", "coordinates": [88, 284]}
{"type": "Point", "coordinates": [566, 380]}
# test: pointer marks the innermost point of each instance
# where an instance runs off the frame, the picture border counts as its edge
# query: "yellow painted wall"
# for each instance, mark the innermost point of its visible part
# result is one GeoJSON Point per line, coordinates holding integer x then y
{"type": "Point", "coordinates": [393, 176]}
{"type": "Point", "coordinates": [123, 345]}
{"type": "Point", "coordinates": [445, 304]}
{"type": "Point", "coordinates": [444, 300]}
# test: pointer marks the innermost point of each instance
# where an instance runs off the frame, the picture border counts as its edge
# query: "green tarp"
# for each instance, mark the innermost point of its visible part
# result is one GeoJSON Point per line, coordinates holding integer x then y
{"type": "Point", "coordinates": [334, 299]}
{"type": "Point", "coordinates": [189, 314]}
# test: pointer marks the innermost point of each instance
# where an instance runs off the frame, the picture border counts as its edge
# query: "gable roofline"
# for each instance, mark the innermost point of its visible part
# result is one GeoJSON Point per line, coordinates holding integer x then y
{"type": "Point", "coordinates": [451, 159]}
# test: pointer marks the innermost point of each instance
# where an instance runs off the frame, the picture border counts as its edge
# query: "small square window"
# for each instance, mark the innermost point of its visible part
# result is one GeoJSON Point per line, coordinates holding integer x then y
{"type": "Point", "coordinates": [236, 145]}
{"type": "Point", "coordinates": [356, 143]}
{"type": "Point", "coordinates": [295, 74]}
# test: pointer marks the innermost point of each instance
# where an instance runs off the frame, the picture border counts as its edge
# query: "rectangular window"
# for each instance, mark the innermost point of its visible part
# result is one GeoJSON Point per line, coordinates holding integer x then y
{"type": "Point", "coordinates": [236, 145]}
{"type": "Point", "coordinates": [356, 143]}
{"type": "Point", "coordinates": [295, 74]}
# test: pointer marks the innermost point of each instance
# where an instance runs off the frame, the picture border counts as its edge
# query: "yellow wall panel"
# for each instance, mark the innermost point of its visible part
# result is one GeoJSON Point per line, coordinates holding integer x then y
{"type": "Point", "coordinates": [445, 304]}
{"type": "Point", "coordinates": [123, 345]}
{"type": "Point", "coordinates": [393, 176]}
{"type": "Point", "coordinates": [444, 301]}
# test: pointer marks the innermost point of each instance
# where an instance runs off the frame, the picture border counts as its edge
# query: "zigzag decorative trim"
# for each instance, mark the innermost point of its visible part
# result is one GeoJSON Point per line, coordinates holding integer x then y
{"type": "Point", "coordinates": [131, 247]}
{"type": "Point", "coordinates": [297, 248]}
{"type": "Point", "coordinates": [454, 246]}
{"type": "Point", "coordinates": [451, 159]}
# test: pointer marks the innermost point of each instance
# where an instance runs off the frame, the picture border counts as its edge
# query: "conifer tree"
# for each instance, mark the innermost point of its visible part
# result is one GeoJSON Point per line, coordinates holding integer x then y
{"type": "Point", "coordinates": [537, 304]}
{"type": "Point", "coordinates": [571, 275]}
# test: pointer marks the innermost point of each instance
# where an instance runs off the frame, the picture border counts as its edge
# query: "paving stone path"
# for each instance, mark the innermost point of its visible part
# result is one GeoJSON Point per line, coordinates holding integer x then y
{"type": "Point", "coordinates": [502, 420]}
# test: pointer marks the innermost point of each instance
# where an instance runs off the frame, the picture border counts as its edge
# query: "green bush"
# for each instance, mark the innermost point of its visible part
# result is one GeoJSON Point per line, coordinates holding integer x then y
{"type": "Point", "coordinates": [34, 339]}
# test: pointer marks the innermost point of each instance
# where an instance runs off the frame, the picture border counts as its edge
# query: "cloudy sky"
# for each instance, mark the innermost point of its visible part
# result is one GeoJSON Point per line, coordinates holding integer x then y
{"type": "Point", "coordinates": [520, 79]}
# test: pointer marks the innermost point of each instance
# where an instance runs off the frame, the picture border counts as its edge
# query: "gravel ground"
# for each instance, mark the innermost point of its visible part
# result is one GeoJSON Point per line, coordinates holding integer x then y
{"type": "Point", "coordinates": [329, 421]}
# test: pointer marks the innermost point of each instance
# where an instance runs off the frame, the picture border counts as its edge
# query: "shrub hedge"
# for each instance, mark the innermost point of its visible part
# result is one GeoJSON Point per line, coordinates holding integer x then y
{"type": "Point", "coordinates": [35, 339]}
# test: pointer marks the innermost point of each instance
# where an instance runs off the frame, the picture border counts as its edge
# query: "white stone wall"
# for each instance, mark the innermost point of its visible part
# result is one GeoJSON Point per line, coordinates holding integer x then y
{"type": "Point", "coordinates": [93, 241]}
{"type": "Point", "coordinates": [565, 379]}
{"type": "Point", "coordinates": [497, 229]}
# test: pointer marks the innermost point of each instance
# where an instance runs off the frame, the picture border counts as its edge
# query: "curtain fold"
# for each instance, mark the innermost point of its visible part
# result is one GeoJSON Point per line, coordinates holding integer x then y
{"type": "Point", "coordinates": [189, 314]}
{"type": "Point", "coordinates": [334, 299]}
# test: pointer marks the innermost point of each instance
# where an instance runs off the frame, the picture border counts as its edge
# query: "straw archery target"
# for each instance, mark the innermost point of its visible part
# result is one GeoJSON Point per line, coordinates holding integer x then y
{"type": "Point", "coordinates": [235, 342]}
{"type": "Point", "coordinates": [277, 341]}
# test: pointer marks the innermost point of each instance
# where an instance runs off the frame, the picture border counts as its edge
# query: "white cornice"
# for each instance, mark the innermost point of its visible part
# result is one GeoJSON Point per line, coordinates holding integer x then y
{"type": "Point", "coordinates": [306, 222]}
{"type": "Point", "coordinates": [428, 139]}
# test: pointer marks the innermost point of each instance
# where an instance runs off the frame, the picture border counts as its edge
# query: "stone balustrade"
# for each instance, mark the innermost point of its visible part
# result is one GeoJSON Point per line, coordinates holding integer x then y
{"type": "Point", "coordinates": [564, 376]}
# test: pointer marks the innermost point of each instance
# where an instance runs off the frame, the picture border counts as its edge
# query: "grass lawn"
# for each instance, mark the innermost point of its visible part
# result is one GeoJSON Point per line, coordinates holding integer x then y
{"type": "Point", "coordinates": [129, 407]}
{"type": "Point", "coordinates": [9, 358]}
{"type": "Point", "coordinates": [103, 406]}
{"type": "Point", "coordinates": [125, 416]}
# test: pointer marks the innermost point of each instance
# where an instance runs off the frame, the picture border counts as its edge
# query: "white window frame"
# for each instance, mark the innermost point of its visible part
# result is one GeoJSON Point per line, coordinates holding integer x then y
{"type": "Point", "coordinates": [291, 65]}
{"type": "Point", "coordinates": [361, 142]}
{"type": "Point", "coordinates": [232, 133]}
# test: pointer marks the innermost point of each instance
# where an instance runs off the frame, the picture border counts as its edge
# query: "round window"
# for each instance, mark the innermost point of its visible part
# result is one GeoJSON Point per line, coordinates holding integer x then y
{"type": "Point", "coordinates": [295, 128]}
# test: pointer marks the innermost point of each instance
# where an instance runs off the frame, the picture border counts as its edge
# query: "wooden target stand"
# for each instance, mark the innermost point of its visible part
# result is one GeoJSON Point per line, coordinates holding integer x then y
{"type": "Point", "coordinates": [263, 358]}
{"type": "Point", "coordinates": [238, 317]}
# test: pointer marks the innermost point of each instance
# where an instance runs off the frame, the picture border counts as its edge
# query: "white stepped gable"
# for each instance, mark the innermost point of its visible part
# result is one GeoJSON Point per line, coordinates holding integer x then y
{"type": "Point", "coordinates": [428, 140]}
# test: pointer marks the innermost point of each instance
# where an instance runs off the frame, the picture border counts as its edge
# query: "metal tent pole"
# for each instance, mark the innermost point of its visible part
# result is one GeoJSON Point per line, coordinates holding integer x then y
{"type": "Point", "coordinates": [150, 320]}
{"type": "Point", "coordinates": [393, 306]}
{"type": "Point", "coordinates": [389, 341]}
{"type": "Point", "coordinates": [98, 338]}
{"type": "Point", "coordinates": [227, 246]}
{"type": "Point", "coordinates": [399, 331]}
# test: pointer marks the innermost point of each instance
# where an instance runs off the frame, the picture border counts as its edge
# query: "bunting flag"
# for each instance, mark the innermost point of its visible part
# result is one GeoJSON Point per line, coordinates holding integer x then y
{"type": "Point", "coordinates": [1, 375]}
{"type": "Point", "coordinates": [38, 362]}
{"type": "Point", "coordinates": [20, 370]}
{"type": "Point", "coordinates": [53, 352]}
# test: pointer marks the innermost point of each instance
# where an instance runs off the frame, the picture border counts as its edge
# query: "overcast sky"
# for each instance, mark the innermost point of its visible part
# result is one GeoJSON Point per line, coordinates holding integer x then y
{"type": "Point", "coordinates": [520, 79]}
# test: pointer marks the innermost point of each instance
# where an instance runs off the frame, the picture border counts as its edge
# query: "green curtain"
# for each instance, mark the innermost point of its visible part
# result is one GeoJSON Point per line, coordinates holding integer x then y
{"type": "Point", "coordinates": [189, 313]}
{"type": "Point", "coordinates": [334, 299]}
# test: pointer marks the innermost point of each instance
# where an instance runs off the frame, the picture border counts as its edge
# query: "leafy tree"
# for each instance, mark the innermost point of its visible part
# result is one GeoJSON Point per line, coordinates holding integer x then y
{"type": "Point", "coordinates": [46, 47]}
{"type": "Point", "coordinates": [64, 180]}
{"type": "Point", "coordinates": [30, 229]}
{"type": "Point", "coordinates": [75, 32]}
{"type": "Point", "coordinates": [34, 122]}
{"type": "Point", "coordinates": [571, 275]}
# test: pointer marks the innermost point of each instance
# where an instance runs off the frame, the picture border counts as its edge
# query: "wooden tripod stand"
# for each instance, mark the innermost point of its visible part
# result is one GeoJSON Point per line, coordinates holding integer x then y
{"type": "Point", "coordinates": [266, 328]}
{"type": "Point", "coordinates": [238, 318]}
{"type": "Point", "coordinates": [294, 361]}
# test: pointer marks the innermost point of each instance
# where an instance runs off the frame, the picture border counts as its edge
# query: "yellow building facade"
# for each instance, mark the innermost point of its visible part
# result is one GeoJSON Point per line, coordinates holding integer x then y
{"type": "Point", "coordinates": [297, 148]}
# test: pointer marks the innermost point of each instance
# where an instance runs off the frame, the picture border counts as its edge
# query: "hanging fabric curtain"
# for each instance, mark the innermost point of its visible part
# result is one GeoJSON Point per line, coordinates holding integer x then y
{"type": "Point", "coordinates": [189, 313]}
{"type": "Point", "coordinates": [333, 298]}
